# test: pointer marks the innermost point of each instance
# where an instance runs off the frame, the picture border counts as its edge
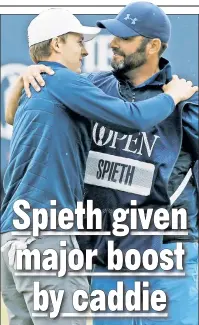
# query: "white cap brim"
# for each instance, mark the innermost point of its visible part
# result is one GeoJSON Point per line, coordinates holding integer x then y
{"type": "Point", "coordinates": [89, 32]}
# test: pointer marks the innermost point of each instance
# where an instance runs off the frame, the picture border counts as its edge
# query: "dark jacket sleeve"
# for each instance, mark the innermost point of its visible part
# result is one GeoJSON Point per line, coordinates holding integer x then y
{"type": "Point", "coordinates": [81, 96]}
{"type": "Point", "coordinates": [190, 121]}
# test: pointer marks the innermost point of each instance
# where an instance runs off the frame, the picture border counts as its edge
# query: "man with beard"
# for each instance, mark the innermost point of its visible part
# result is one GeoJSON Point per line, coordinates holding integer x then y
{"type": "Point", "coordinates": [141, 34]}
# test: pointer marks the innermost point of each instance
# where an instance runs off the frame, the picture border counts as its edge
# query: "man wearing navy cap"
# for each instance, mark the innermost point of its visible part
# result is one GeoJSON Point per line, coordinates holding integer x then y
{"type": "Point", "coordinates": [141, 34]}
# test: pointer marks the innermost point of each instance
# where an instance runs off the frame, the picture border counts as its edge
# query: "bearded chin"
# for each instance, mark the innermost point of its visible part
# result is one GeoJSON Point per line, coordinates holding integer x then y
{"type": "Point", "coordinates": [129, 63]}
{"type": "Point", "coordinates": [121, 67]}
{"type": "Point", "coordinates": [117, 66]}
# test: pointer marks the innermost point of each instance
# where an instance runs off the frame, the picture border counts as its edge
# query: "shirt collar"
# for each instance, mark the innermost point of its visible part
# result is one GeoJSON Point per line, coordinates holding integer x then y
{"type": "Point", "coordinates": [52, 64]}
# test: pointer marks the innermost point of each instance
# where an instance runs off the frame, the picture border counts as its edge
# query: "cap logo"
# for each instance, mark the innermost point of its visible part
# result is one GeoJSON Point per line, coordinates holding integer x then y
{"type": "Point", "coordinates": [133, 20]}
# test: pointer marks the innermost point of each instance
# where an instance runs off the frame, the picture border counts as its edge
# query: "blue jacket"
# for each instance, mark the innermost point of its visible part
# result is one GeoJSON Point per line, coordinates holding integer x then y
{"type": "Point", "coordinates": [52, 137]}
{"type": "Point", "coordinates": [144, 166]}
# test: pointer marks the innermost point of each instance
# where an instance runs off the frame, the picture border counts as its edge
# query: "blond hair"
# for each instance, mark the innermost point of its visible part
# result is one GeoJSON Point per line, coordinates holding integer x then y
{"type": "Point", "coordinates": [42, 50]}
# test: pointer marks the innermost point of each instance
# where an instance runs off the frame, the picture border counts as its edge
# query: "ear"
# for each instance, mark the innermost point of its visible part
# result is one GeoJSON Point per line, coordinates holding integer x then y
{"type": "Point", "coordinates": [55, 45]}
{"type": "Point", "coordinates": [154, 46]}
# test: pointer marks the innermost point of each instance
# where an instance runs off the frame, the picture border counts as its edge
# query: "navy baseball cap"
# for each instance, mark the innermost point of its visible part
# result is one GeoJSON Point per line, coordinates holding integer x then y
{"type": "Point", "coordinates": [139, 19]}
